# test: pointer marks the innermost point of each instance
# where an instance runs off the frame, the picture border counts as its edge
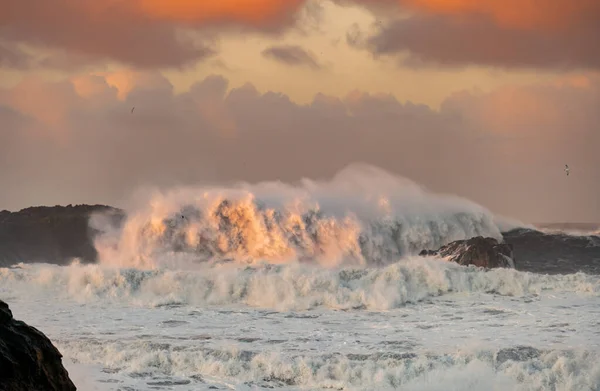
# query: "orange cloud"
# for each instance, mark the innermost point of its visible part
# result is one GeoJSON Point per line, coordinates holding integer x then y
{"type": "Point", "coordinates": [142, 33]}
{"type": "Point", "coordinates": [507, 13]}
{"type": "Point", "coordinates": [124, 81]}
{"type": "Point", "coordinates": [147, 33]}
{"type": "Point", "coordinates": [563, 35]}
{"type": "Point", "coordinates": [515, 13]}
{"type": "Point", "coordinates": [544, 111]}
{"type": "Point", "coordinates": [49, 102]}
{"type": "Point", "coordinates": [251, 12]}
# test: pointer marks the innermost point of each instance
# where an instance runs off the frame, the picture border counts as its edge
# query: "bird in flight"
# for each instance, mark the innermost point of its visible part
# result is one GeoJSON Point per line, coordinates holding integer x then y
{"type": "Point", "coordinates": [133, 108]}
{"type": "Point", "coordinates": [567, 170]}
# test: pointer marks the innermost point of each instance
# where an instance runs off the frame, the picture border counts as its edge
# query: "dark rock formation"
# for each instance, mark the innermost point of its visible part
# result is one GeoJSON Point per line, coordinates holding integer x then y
{"type": "Point", "coordinates": [477, 251]}
{"type": "Point", "coordinates": [555, 252]}
{"type": "Point", "coordinates": [49, 234]}
{"type": "Point", "coordinates": [28, 360]}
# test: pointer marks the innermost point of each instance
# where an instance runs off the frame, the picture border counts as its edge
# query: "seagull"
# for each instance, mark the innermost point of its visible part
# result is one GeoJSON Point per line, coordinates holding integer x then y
{"type": "Point", "coordinates": [567, 169]}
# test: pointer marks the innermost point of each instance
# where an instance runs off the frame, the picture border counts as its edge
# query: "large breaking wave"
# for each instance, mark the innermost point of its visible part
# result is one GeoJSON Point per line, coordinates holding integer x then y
{"type": "Point", "coordinates": [363, 216]}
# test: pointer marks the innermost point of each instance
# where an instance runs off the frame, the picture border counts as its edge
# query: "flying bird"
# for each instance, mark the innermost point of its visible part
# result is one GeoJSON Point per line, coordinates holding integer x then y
{"type": "Point", "coordinates": [567, 170]}
{"type": "Point", "coordinates": [133, 108]}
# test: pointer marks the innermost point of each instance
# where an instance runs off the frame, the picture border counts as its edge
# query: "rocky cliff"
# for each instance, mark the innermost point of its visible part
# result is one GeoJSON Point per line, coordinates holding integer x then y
{"type": "Point", "coordinates": [28, 360]}
{"type": "Point", "coordinates": [49, 234]}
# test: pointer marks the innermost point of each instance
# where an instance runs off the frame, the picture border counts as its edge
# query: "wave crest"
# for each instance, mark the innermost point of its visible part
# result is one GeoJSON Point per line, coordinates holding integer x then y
{"type": "Point", "coordinates": [364, 216]}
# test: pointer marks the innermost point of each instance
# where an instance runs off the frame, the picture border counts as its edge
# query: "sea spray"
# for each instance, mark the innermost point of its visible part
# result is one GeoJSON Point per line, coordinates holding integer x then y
{"type": "Point", "coordinates": [363, 216]}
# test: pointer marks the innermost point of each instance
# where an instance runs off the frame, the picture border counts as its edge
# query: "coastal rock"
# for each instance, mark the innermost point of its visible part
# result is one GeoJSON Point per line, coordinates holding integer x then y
{"type": "Point", "coordinates": [28, 360]}
{"type": "Point", "coordinates": [56, 234]}
{"type": "Point", "coordinates": [555, 251]}
{"type": "Point", "coordinates": [477, 251]}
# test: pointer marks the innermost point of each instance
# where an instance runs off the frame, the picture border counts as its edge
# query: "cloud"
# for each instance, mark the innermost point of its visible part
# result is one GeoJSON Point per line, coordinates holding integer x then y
{"type": "Point", "coordinates": [69, 62]}
{"type": "Point", "coordinates": [563, 109]}
{"type": "Point", "coordinates": [156, 34]}
{"type": "Point", "coordinates": [443, 41]}
{"type": "Point", "coordinates": [12, 56]}
{"type": "Point", "coordinates": [256, 13]}
{"type": "Point", "coordinates": [291, 55]}
{"type": "Point", "coordinates": [105, 31]}
{"type": "Point", "coordinates": [77, 140]}
{"type": "Point", "coordinates": [513, 14]}
{"type": "Point", "coordinates": [147, 34]}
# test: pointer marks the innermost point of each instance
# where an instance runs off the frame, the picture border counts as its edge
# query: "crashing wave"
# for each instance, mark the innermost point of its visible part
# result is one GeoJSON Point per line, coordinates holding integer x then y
{"type": "Point", "coordinates": [364, 216]}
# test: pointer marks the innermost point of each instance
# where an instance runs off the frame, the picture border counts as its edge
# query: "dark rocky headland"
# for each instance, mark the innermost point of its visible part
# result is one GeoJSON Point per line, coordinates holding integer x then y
{"type": "Point", "coordinates": [50, 234]}
{"type": "Point", "coordinates": [28, 360]}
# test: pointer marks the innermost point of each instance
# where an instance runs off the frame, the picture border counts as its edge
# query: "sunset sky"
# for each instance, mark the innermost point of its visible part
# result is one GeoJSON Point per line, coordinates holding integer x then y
{"type": "Point", "coordinates": [485, 99]}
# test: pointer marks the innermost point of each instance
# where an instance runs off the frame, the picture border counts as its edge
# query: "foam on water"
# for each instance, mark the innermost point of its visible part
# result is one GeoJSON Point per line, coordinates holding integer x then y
{"type": "Point", "coordinates": [285, 287]}
{"type": "Point", "coordinates": [483, 369]}
{"type": "Point", "coordinates": [120, 330]}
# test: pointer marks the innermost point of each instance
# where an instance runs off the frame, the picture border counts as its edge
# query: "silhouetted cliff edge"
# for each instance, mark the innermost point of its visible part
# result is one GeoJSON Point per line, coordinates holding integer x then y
{"type": "Point", "coordinates": [54, 234]}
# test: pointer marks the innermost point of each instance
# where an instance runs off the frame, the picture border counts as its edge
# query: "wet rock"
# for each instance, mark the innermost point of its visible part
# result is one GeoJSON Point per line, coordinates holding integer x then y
{"type": "Point", "coordinates": [477, 251]}
{"type": "Point", "coordinates": [28, 360]}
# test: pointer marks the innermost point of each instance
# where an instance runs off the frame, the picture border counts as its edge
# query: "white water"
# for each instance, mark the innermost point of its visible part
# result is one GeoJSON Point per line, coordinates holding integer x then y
{"type": "Point", "coordinates": [420, 324]}
{"type": "Point", "coordinates": [308, 287]}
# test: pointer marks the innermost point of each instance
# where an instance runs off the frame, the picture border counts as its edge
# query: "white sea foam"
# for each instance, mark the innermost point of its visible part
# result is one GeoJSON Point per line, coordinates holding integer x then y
{"type": "Point", "coordinates": [237, 327]}
{"type": "Point", "coordinates": [520, 368]}
{"type": "Point", "coordinates": [293, 286]}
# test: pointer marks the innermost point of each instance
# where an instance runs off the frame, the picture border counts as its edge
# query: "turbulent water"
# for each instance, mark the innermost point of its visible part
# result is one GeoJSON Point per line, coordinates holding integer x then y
{"type": "Point", "coordinates": [317, 286]}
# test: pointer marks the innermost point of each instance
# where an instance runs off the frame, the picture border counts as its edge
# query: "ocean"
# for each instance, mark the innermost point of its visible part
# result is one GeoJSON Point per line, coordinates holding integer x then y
{"type": "Point", "coordinates": [317, 286]}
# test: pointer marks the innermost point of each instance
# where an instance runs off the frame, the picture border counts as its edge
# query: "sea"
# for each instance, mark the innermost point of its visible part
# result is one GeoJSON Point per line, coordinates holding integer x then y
{"type": "Point", "coordinates": [317, 285]}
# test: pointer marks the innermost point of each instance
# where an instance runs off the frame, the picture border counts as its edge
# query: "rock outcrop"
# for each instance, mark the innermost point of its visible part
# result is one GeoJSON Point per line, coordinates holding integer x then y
{"type": "Point", "coordinates": [49, 234]}
{"type": "Point", "coordinates": [555, 252]}
{"type": "Point", "coordinates": [477, 251]}
{"type": "Point", "coordinates": [28, 360]}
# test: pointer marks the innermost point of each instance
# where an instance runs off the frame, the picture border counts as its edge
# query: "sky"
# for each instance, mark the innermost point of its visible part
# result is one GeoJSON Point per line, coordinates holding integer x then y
{"type": "Point", "coordinates": [484, 99]}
